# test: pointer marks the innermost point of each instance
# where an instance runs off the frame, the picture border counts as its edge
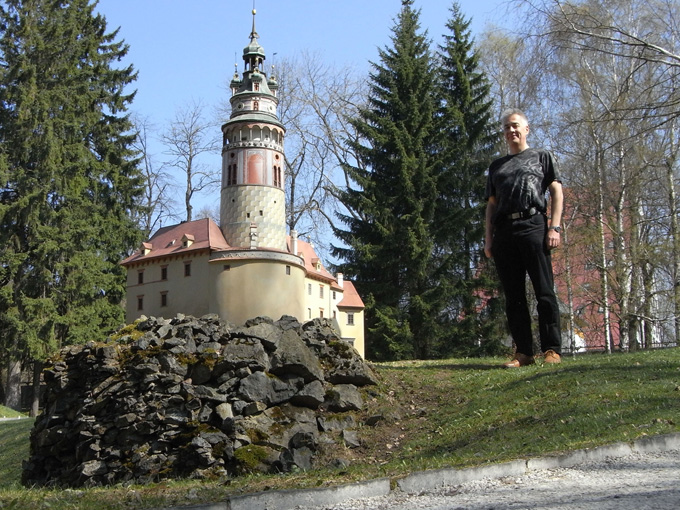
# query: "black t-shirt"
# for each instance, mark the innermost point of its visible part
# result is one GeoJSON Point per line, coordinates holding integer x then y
{"type": "Point", "coordinates": [520, 181]}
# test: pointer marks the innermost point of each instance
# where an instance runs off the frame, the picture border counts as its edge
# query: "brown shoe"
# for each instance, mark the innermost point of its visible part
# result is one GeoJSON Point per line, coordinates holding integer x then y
{"type": "Point", "coordinates": [519, 360]}
{"type": "Point", "coordinates": [551, 356]}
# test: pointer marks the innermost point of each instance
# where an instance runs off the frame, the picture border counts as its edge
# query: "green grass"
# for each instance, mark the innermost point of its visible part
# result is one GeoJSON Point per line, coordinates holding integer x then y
{"type": "Point", "coordinates": [450, 413]}
{"type": "Point", "coordinates": [6, 412]}
{"type": "Point", "coordinates": [13, 449]}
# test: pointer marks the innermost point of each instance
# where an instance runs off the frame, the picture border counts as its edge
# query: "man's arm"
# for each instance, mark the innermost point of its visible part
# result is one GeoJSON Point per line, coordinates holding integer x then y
{"type": "Point", "coordinates": [491, 206]}
{"type": "Point", "coordinates": [556, 206]}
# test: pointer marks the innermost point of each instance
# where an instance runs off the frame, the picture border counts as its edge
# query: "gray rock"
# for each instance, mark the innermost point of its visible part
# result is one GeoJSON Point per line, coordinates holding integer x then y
{"type": "Point", "coordinates": [294, 357]}
{"type": "Point", "coordinates": [344, 397]}
{"type": "Point", "coordinates": [311, 395]}
{"type": "Point", "coordinates": [195, 397]}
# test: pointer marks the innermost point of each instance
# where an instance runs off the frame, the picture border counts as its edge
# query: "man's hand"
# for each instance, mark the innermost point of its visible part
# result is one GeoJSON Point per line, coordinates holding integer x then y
{"type": "Point", "coordinates": [553, 239]}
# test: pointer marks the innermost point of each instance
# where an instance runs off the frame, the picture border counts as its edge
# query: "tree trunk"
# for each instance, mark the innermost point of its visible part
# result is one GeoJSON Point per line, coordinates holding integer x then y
{"type": "Point", "coordinates": [675, 240]}
{"type": "Point", "coordinates": [604, 281]}
{"type": "Point", "coordinates": [570, 288]}
{"type": "Point", "coordinates": [35, 401]}
{"type": "Point", "coordinates": [13, 385]}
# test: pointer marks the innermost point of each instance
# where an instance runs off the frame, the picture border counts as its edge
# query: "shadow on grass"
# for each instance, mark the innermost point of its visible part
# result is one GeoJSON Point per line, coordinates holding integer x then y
{"type": "Point", "coordinates": [447, 366]}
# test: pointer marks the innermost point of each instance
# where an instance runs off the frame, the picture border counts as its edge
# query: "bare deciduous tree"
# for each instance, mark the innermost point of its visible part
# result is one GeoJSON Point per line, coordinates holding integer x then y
{"type": "Point", "coordinates": [188, 137]}
{"type": "Point", "coordinates": [158, 203]}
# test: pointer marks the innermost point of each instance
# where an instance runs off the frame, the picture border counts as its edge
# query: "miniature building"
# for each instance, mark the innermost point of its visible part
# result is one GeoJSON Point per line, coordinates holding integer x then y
{"type": "Point", "coordinates": [248, 266]}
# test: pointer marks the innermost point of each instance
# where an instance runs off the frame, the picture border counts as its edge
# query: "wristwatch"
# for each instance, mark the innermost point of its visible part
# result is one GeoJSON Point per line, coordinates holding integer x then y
{"type": "Point", "coordinates": [557, 229]}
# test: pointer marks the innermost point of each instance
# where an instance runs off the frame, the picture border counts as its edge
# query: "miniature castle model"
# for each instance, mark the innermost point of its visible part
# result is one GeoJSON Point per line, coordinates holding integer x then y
{"type": "Point", "coordinates": [248, 266]}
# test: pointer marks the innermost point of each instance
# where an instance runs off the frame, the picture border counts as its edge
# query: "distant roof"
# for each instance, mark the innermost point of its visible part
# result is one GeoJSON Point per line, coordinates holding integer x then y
{"type": "Point", "coordinates": [204, 234]}
{"type": "Point", "coordinates": [313, 264]}
{"type": "Point", "coordinates": [350, 296]}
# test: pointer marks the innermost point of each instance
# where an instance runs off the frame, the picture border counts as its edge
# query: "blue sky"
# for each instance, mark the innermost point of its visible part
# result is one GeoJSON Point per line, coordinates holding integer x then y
{"type": "Point", "coordinates": [185, 50]}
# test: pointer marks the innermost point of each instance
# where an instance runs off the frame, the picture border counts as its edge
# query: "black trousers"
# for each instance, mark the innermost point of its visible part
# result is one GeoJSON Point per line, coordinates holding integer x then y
{"type": "Point", "coordinates": [519, 248]}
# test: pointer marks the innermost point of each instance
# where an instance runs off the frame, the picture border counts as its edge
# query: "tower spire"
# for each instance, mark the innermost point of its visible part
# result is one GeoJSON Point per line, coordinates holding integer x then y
{"type": "Point", "coordinates": [253, 33]}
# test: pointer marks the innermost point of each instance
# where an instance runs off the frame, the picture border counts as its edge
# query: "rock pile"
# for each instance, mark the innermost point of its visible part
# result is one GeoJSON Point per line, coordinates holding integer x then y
{"type": "Point", "coordinates": [188, 397]}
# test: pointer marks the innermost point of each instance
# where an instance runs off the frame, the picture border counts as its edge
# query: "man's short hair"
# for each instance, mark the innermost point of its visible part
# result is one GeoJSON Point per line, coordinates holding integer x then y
{"type": "Point", "coordinates": [510, 112]}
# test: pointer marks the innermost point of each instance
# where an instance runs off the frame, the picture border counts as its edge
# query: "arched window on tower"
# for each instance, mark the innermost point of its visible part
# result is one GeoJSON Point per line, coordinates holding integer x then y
{"type": "Point", "coordinates": [231, 175]}
{"type": "Point", "coordinates": [256, 105]}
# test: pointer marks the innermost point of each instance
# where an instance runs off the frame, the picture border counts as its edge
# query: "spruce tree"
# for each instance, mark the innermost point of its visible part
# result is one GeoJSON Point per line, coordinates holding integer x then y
{"type": "Point", "coordinates": [69, 182]}
{"type": "Point", "coordinates": [388, 242]}
{"type": "Point", "coordinates": [466, 149]}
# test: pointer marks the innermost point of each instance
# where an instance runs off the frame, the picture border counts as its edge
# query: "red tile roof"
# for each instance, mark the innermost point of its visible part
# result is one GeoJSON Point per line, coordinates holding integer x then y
{"type": "Point", "coordinates": [312, 261]}
{"type": "Point", "coordinates": [350, 296]}
{"type": "Point", "coordinates": [167, 241]}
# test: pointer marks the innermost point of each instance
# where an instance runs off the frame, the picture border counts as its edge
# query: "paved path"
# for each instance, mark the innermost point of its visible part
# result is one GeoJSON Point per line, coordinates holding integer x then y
{"type": "Point", "coordinates": [639, 481]}
{"type": "Point", "coordinates": [641, 475]}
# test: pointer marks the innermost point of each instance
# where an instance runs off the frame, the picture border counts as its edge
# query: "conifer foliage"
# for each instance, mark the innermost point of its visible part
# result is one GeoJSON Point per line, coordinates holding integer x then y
{"type": "Point", "coordinates": [414, 220]}
{"type": "Point", "coordinates": [389, 243]}
{"type": "Point", "coordinates": [69, 183]}
{"type": "Point", "coordinates": [467, 146]}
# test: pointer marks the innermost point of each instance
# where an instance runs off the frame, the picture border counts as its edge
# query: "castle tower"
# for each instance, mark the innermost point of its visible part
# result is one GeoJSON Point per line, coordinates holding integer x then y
{"type": "Point", "coordinates": [252, 208]}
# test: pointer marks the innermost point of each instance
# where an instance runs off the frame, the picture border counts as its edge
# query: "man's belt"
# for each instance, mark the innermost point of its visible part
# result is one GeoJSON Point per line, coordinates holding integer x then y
{"type": "Point", "coordinates": [522, 215]}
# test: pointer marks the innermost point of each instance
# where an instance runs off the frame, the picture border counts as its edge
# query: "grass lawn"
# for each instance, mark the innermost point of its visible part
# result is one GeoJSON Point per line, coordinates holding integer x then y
{"type": "Point", "coordinates": [430, 414]}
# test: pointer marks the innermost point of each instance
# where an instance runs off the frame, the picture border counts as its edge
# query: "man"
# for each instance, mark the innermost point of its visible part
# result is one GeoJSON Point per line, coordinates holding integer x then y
{"type": "Point", "coordinates": [519, 238]}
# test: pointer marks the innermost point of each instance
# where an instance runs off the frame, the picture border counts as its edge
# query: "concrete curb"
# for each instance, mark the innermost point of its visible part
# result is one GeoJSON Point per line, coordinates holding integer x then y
{"type": "Point", "coordinates": [280, 500]}
{"type": "Point", "coordinates": [425, 481]}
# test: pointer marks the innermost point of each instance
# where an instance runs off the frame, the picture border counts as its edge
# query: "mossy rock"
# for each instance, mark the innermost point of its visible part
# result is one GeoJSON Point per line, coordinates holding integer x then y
{"type": "Point", "coordinates": [251, 458]}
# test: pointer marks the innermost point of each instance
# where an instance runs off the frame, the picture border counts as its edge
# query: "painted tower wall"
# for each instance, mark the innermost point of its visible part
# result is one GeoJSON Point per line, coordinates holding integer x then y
{"type": "Point", "coordinates": [252, 187]}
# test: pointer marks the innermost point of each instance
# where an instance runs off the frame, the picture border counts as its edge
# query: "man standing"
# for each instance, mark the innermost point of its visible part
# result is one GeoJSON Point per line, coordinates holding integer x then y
{"type": "Point", "coordinates": [519, 238]}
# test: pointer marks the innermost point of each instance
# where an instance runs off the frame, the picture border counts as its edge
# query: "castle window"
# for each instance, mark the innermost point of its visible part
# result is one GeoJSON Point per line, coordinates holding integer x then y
{"type": "Point", "coordinates": [256, 105]}
{"type": "Point", "coordinates": [288, 270]}
{"type": "Point", "coordinates": [334, 296]}
{"type": "Point", "coordinates": [309, 289]}
{"type": "Point", "coordinates": [140, 276]}
{"type": "Point", "coordinates": [350, 318]}
{"type": "Point", "coordinates": [140, 302]}
{"type": "Point", "coordinates": [164, 299]}
{"type": "Point", "coordinates": [309, 313]}
{"type": "Point", "coordinates": [321, 291]}
{"type": "Point", "coordinates": [321, 313]}
{"type": "Point", "coordinates": [187, 269]}
{"type": "Point", "coordinates": [164, 273]}
{"type": "Point", "coordinates": [278, 181]}
{"type": "Point", "coordinates": [187, 240]}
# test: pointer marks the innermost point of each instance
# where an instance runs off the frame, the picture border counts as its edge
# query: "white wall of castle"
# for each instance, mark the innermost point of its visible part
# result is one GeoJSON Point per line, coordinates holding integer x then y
{"type": "Point", "coordinates": [170, 277]}
{"type": "Point", "coordinates": [250, 284]}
